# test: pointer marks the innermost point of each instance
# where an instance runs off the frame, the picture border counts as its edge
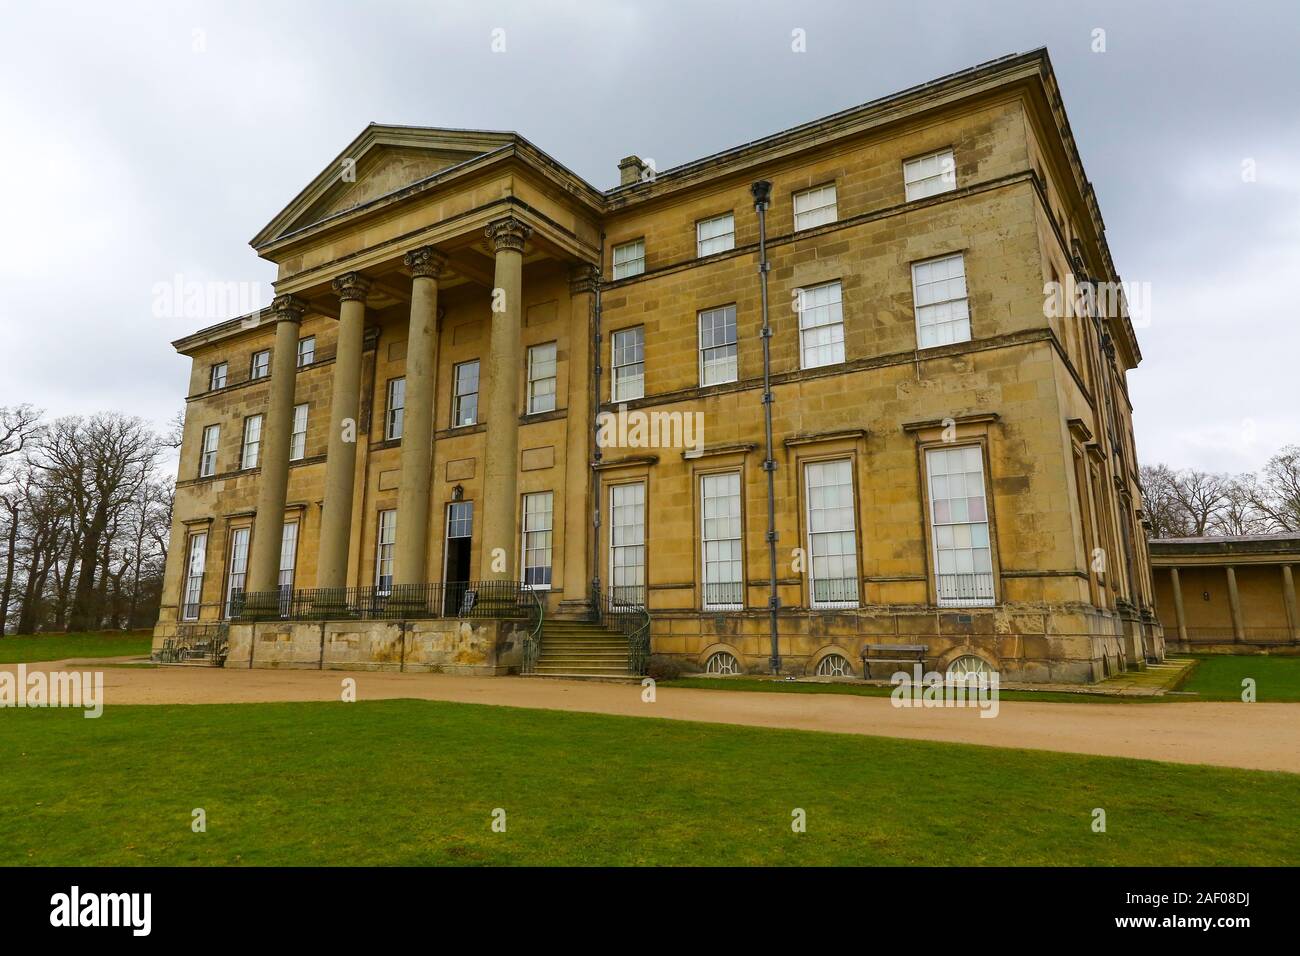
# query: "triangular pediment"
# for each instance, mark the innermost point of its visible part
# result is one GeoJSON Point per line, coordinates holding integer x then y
{"type": "Point", "coordinates": [379, 162]}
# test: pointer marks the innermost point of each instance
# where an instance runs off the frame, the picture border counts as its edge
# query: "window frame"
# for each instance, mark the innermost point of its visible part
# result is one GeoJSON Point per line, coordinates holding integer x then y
{"type": "Point", "coordinates": [208, 456]}
{"type": "Point", "coordinates": [298, 448]}
{"type": "Point", "coordinates": [738, 539]}
{"type": "Point", "coordinates": [288, 550]}
{"type": "Point", "coordinates": [700, 240]}
{"type": "Point", "coordinates": [640, 260]}
{"type": "Point", "coordinates": [734, 345]}
{"type": "Point", "coordinates": [641, 547]}
{"type": "Point", "coordinates": [933, 534]}
{"type": "Point", "coordinates": [548, 548]}
{"type": "Point", "coordinates": [458, 397]}
{"type": "Point", "coordinates": [853, 532]}
{"type": "Point", "coordinates": [385, 523]}
{"type": "Point", "coordinates": [254, 365]}
{"type": "Point", "coordinates": [964, 299]}
{"type": "Point", "coordinates": [309, 353]}
{"type": "Point", "coordinates": [393, 427]}
{"type": "Point", "coordinates": [616, 393]}
{"type": "Point", "coordinates": [532, 381]}
{"type": "Point", "coordinates": [803, 346]}
{"type": "Point", "coordinates": [255, 443]}
{"type": "Point", "coordinates": [224, 369]}
{"type": "Point", "coordinates": [239, 535]}
{"type": "Point", "coordinates": [193, 586]}
{"type": "Point", "coordinates": [950, 172]}
{"type": "Point", "coordinates": [833, 205]}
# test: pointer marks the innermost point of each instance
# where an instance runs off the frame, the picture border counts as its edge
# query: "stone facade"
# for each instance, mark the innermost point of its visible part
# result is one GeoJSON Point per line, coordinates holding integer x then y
{"type": "Point", "coordinates": [525, 256]}
{"type": "Point", "coordinates": [444, 646]}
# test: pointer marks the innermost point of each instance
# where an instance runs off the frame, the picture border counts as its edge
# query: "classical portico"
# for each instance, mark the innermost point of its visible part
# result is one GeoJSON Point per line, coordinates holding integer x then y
{"type": "Point", "coordinates": [426, 268]}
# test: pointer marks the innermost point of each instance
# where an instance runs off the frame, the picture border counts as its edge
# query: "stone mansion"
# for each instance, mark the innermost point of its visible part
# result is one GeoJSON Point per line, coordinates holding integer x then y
{"type": "Point", "coordinates": [495, 413]}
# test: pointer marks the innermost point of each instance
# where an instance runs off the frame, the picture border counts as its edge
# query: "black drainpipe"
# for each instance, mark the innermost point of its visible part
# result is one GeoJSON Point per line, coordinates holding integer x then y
{"type": "Point", "coordinates": [762, 192]}
{"type": "Point", "coordinates": [597, 454]}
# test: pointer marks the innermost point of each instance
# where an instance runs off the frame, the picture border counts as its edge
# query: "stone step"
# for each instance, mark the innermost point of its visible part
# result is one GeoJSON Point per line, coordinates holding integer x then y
{"type": "Point", "coordinates": [607, 678]}
{"type": "Point", "coordinates": [613, 660]}
{"type": "Point", "coordinates": [582, 646]}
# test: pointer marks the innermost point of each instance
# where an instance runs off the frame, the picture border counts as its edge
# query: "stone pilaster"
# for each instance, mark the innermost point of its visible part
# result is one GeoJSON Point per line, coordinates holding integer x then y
{"type": "Point", "coordinates": [264, 559]}
{"type": "Point", "coordinates": [583, 281]}
{"type": "Point", "coordinates": [341, 457]}
{"type": "Point", "coordinates": [504, 366]}
{"type": "Point", "coordinates": [410, 561]}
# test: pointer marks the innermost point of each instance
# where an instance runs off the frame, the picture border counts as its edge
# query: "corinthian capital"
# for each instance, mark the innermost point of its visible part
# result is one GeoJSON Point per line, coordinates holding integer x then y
{"type": "Point", "coordinates": [584, 279]}
{"type": "Point", "coordinates": [288, 308]}
{"type": "Point", "coordinates": [351, 285]}
{"type": "Point", "coordinates": [509, 233]}
{"type": "Point", "coordinates": [426, 262]}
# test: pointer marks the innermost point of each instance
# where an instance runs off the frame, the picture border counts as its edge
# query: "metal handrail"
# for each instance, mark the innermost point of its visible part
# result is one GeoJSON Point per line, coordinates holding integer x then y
{"type": "Point", "coordinates": [631, 619]}
{"type": "Point", "coordinates": [533, 642]}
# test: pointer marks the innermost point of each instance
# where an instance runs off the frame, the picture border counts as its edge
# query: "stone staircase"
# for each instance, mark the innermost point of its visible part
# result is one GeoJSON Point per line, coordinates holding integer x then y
{"type": "Point", "coordinates": [582, 649]}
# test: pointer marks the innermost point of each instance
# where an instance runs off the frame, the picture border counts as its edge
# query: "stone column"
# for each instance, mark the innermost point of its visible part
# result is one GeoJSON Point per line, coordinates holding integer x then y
{"type": "Point", "coordinates": [1288, 598]}
{"type": "Point", "coordinates": [505, 362]}
{"type": "Point", "coordinates": [341, 456]}
{"type": "Point", "coordinates": [1181, 616]}
{"type": "Point", "coordinates": [277, 426]}
{"type": "Point", "coordinates": [410, 561]}
{"type": "Point", "coordinates": [1234, 604]}
{"type": "Point", "coordinates": [577, 443]}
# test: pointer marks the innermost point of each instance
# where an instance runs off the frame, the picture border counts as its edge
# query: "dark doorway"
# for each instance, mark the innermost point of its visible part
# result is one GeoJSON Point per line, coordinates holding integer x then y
{"type": "Point", "coordinates": [456, 569]}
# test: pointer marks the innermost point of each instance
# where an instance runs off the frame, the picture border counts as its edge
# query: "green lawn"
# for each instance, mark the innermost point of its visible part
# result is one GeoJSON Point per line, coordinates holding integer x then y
{"type": "Point", "coordinates": [56, 647]}
{"type": "Point", "coordinates": [1219, 677]}
{"type": "Point", "coordinates": [416, 782]}
{"type": "Point", "coordinates": [1216, 677]}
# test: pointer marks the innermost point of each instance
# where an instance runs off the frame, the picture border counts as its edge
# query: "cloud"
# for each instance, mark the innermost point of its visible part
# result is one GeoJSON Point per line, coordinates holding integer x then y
{"type": "Point", "coordinates": [146, 141]}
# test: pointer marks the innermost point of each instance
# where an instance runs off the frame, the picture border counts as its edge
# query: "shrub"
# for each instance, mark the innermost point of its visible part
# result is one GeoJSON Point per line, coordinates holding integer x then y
{"type": "Point", "coordinates": [664, 668]}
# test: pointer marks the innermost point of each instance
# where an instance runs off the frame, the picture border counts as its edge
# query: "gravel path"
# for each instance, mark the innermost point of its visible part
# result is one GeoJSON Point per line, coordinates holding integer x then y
{"type": "Point", "coordinates": [1255, 736]}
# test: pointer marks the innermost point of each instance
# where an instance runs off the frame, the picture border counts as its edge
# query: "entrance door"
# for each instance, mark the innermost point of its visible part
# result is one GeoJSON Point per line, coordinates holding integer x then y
{"type": "Point", "coordinates": [456, 566]}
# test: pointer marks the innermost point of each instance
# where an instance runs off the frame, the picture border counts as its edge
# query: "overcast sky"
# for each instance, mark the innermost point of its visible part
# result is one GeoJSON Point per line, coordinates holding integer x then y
{"type": "Point", "coordinates": [147, 140]}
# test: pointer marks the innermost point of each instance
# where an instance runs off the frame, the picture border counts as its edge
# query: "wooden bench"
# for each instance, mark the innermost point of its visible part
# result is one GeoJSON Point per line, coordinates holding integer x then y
{"type": "Point", "coordinates": [908, 654]}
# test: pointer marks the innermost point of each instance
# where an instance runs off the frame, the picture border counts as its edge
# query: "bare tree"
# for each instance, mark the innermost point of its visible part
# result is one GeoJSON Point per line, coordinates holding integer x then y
{"type": "Point", "coordinates": [1161, 504]}
{"type": "Point", "coordinates": [19, 424]}
{"type": "Point", "coordinates": [1202, 496]}
{"type": "Point", "coordinates": [1276, 494]}
{"type": "Point", "coordinates": [1239, 514]}
{"type": "Point", "coordinates": [100, 464]}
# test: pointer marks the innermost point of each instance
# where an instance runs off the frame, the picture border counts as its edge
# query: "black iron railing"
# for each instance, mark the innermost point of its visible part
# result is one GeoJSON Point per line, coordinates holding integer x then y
{"type": "Point", "coordinates": [196, 642]}
{"type": "Point", "coordinates": [533, 640]}
{"type": "Point", "coordinates": [506, 600]}
{"type": "Point", "coordinates": [623, 610]}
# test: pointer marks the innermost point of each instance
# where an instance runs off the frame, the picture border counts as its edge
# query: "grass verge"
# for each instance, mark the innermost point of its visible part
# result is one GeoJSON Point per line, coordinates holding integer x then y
{"type": "Point", "coordinates": [27, 648]}
{"type": "Point", "coordinates": [416, 783]}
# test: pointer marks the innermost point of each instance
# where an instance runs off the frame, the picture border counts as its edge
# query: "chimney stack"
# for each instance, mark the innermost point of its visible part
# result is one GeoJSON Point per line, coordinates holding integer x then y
{"type": "Point", "coordinates": [631, 169]}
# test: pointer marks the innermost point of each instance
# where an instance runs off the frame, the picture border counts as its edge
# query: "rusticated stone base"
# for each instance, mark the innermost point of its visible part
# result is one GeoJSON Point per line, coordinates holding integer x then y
{"type": "Point", "coordinates": [484, 647]}
{"type": "Point", "coordinates": [1059, 644]}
